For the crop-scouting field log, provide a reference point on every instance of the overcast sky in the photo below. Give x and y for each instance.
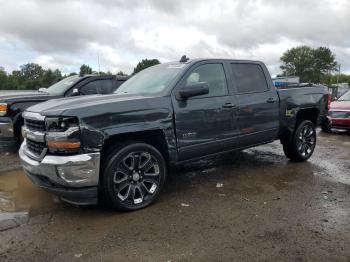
(64, 34)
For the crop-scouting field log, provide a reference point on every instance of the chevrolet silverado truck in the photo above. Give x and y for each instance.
(118, 148)
(13, 103)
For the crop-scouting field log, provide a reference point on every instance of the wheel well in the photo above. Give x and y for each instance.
(155, 138)
(17, 127)
(307, 114)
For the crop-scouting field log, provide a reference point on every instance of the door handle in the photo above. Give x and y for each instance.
(229, 105)
(271, 100)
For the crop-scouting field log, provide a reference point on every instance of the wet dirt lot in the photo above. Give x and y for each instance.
(248, 206)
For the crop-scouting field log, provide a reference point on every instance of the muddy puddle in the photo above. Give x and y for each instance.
(20, 199)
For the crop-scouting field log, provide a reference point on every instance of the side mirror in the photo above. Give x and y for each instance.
(196, 89)
(75, 92)
(43, 89)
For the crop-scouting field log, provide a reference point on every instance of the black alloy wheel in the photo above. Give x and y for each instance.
(306, 141)
(302, 145)
(134, 176)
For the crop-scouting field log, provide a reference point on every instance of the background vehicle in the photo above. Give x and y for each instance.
(12, 104)
(339, 114)
(121, 145)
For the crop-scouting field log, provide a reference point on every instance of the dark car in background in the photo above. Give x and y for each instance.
(13, 103)
(339, 114)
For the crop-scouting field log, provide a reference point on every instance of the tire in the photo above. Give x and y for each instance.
(326, 125)
(302, 145)
(133, 176)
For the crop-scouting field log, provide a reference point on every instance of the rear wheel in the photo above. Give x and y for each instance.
(303, 142)
(133, 176)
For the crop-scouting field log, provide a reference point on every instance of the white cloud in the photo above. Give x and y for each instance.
(65, 34)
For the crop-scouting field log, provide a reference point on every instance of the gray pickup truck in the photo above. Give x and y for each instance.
(119, 147)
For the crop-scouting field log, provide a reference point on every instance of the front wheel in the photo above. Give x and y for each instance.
(133, 176)
(303, 143)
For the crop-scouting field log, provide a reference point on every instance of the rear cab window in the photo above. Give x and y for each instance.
(249, 78)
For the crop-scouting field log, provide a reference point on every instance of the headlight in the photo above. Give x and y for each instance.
(60, 124)
(3, 109)
(63, 134)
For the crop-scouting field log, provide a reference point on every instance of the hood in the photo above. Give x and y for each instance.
(340, 105)
(18, 96)
(82, 105)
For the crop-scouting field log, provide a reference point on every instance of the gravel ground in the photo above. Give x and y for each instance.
(248, 206)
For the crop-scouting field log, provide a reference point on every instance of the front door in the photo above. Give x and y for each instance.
(203, 122)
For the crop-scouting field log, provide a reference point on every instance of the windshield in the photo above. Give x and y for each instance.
(345, 97)
(152, 80)
(62, 86)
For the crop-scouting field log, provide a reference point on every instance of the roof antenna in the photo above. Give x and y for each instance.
(184, 59)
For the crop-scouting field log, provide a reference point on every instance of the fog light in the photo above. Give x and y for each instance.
(75, 174)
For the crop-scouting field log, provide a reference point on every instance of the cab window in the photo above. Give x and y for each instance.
(250, 78)
(213, 75)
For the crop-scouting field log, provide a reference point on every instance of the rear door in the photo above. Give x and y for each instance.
(258, 104)
(203, 122)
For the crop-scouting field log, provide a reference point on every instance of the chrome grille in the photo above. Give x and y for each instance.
(35, 125)
(35, 147)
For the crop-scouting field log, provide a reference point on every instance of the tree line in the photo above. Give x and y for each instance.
(312, 65)
(32, 76)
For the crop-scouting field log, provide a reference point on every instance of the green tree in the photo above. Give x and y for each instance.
(310, 64)
(3, 79)
(342, 78)
(145, 63)
(29, 76)
(121, 73)
(85, 70)
(324, 63)
(50, 77)
(16, 80)
(298, 61)
(31, 71)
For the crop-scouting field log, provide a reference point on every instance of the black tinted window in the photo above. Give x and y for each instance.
(90, 88)
(249, 78)
(213, 74)
(106, 86)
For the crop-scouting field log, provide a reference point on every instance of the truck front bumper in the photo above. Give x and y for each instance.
(7, 137)
(72, 178)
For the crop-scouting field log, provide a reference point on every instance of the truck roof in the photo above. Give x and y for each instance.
(217, 59)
